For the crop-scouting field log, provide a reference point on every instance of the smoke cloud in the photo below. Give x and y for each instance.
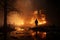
(25, 9)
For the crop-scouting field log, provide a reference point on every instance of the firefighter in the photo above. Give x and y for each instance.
(36, 22)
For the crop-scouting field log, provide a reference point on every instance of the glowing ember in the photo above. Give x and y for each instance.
(19, 29)
(35, 12)
(44, 35)
(33, 33)
(38, 32)
(43, 22)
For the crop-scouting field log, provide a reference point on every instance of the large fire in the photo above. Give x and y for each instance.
(41, 20)
(21, 24)
(16, 19)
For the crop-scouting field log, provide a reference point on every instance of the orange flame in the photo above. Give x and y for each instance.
(16, 19)
(41, 21)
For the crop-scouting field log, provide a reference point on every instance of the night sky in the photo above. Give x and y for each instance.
(51, 7)
(53, 11)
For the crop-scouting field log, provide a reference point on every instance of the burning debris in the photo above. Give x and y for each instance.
(39, 18)
(14, 18)
(22, 26)
(25, 15)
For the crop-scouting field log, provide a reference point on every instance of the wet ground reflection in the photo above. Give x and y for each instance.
(28, 35)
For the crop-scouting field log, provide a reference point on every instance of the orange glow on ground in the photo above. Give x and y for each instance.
(44, 35)
(19, 29)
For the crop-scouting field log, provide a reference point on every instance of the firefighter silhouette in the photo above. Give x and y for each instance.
(36, 22)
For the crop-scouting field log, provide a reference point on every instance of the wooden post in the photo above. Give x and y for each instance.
(5, 20)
